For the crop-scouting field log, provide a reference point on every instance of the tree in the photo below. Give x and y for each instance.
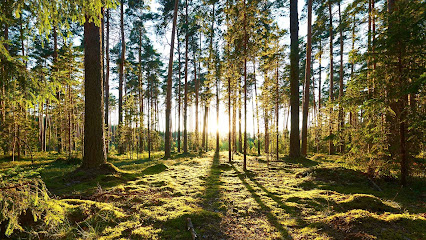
(341, 73)
(294, 81)
(307, 82)
(107, 16)
(185, 100)
(94, 142)
(169, 86)
(331, 89)
(121, 74)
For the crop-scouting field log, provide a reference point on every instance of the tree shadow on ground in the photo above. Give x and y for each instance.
(273, 220)
(305, 162)
(206, 221)
(121, 163)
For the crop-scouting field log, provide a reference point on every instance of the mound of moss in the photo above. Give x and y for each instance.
(25, 206)
(155, 169)
(367, 202)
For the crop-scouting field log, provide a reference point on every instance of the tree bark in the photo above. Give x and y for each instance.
(167, 140)
(305, 110)
(140, 92)
(179, 97)
(185, 108)
(277, 110)
(257, 110)
(121, 76)
(240, 135)
(341, 113)
(94, 144)
(245, 88)
(294, 81)
(330, 141)
(197, 140)
(107, 81)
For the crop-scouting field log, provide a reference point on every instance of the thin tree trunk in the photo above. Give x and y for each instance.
(141, 117)
(217, 113)
(107, 82)
(307, 83)
(240, 135)
(58, 94)
(205, 128)
(277, 110)
(196, 104)
(179, 97)
(185, 108)
(234, 122)
(266, 133)
(245, 88)
(121, 76)
(149, 107)
(203, 137)
(330, 141)
(167, 141)
(341, 114)
(229, 119)
(257, 110)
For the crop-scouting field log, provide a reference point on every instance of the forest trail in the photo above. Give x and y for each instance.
(289, 199)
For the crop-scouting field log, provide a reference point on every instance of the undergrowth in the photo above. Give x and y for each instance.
(316, 198)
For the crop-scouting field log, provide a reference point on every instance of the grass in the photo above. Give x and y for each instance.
(314, 198)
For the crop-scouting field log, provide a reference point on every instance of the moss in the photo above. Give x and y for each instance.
(152, 198)
(367, 202)
(155, 169)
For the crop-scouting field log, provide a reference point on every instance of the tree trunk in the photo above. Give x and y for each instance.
(185, 101)
(217, 114)
(266, 133)
(245, 89)
(107, 82)
(257, 110)
(140, 92)
(240, 137)
(196, 104)
(94, 144)
(58, 94)
(277, 110)
(319, 117)
(179, 97)
(294, 81)
(341, 113)
(307, 83)
(205, 128)
(149, 107)
(121, 76)
(234, 122)
(167, 140)
(330, 141)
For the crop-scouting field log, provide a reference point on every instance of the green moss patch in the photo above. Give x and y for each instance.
(155, 169)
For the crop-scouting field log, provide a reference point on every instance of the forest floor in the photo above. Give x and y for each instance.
(315, 198)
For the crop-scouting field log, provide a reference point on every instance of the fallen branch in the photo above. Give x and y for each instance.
(375, 185)
(191, 229)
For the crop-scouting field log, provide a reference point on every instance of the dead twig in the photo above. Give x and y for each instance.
(191, 229)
